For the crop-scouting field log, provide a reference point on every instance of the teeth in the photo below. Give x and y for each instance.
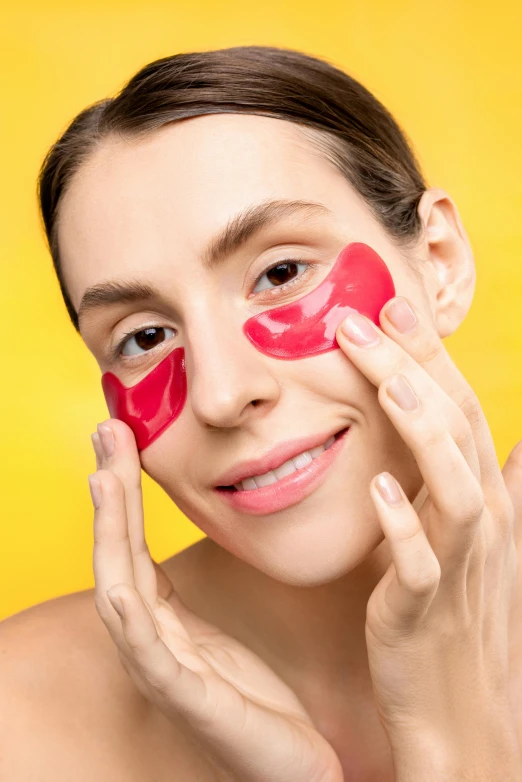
(286, 469)
(265, 480)
(297, 463)
(302, 460)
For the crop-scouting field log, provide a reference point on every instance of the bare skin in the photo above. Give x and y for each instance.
(59, 662)
(314, 641)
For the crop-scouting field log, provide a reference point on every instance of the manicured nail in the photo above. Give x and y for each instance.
(95, 489)
(402, 393)
(360, 330)
(388, 488)
(95, 440)
(401, 315)
(117, 603)
(107, 439)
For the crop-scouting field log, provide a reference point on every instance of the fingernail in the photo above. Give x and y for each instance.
(95, 489)
(95, 440)
(359, 330)
(401, 315)
(117, 603)
(107, 439)
(388, 488)
(402, 393)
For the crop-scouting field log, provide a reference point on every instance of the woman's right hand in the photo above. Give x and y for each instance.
(251, 724)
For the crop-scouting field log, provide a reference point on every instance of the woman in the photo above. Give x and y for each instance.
(352, 612)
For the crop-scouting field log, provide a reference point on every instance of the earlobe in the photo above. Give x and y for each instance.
(449, 254)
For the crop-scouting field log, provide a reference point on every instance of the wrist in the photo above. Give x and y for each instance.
(489, 752)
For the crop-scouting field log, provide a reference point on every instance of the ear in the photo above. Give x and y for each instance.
(449, 256)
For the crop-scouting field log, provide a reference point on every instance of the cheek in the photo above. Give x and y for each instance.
(359, 280)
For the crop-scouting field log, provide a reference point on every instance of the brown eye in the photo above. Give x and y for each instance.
(145, 340)
(279, 275)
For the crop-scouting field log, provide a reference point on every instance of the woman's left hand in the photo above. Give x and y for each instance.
(437, 623)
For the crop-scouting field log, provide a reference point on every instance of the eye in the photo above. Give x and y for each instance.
(134, 342)
(281, 274)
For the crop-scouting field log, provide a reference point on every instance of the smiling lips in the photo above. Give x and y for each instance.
(273, 460)
(359, 280)
(290, 489)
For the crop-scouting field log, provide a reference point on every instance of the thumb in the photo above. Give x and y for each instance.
(512, 474)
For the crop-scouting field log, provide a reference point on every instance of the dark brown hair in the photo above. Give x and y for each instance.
(356, 131)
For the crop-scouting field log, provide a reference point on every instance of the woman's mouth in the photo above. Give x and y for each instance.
(287, 484)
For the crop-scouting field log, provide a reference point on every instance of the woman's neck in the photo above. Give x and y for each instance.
(310, 636)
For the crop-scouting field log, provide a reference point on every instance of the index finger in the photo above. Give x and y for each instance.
(125, 464)
(111, 556)
(421, 340)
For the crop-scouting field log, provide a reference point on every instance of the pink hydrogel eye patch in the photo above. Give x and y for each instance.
(359, 280)
(151, 405)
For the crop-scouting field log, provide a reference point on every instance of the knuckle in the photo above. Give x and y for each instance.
(424, 579)
(398, 364)
(112, 485)
(472, 507)
(462, 433)
(433, 436)
(135, 644)
(468, 402)
(431, 349)
(135, 484)
(426, 583)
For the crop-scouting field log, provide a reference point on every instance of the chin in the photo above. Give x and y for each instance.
(309, 544)
(318, 545)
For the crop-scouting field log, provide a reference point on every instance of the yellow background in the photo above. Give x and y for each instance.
(451, 74)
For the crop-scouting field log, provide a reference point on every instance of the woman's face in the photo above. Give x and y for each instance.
(149, 211)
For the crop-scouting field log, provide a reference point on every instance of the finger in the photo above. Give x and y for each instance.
(172, 682)
(454, 491)
(112, 559)
(512, 475)
(415, 332)
(125, 463)
(95, 439)
(384, 358)
(214, 706)
(409, 594)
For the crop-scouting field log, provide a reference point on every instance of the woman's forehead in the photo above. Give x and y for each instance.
(134, 201)
(234, 156)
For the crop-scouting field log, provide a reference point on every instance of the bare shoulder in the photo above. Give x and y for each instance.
(70, 711)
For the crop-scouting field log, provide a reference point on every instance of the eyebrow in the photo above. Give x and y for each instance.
(239, 229)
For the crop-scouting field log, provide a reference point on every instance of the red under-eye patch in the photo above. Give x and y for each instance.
(359, 280)
(153, 403)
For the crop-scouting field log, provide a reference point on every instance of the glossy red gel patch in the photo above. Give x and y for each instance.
(152, 404)
(359, 280)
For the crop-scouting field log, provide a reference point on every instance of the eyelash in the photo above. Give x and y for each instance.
(119, 346)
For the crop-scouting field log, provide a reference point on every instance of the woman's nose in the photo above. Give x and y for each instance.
(227, 377)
